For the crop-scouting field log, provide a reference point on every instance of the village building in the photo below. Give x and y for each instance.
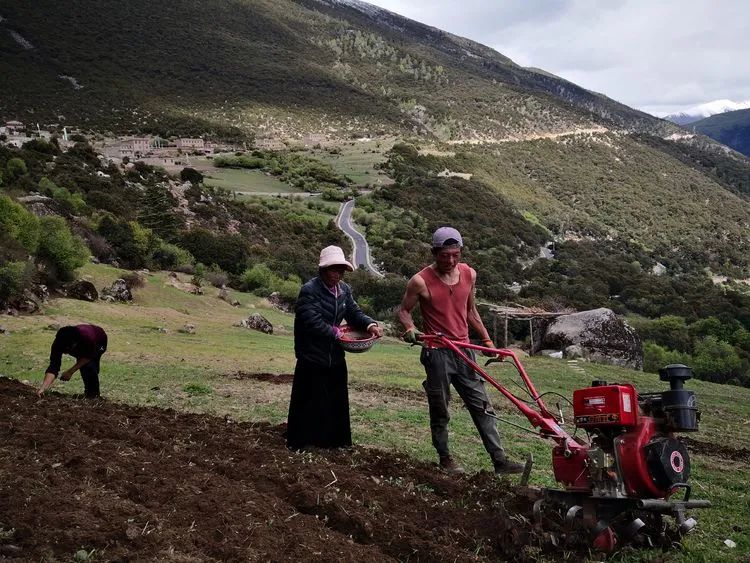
(269, 144)
(312, 139)
(14, 127)
(135, 147)
(168, 162)
(187, 144)
(17, 140)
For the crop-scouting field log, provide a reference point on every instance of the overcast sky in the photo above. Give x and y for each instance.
(656, 55)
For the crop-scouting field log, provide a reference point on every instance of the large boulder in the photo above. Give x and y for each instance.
(118, 291)
(256, 321)
(81, 289)
(598, 335)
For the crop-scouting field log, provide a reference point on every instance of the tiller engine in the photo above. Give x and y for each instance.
(622, 480)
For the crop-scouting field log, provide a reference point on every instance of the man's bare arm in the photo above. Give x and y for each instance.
(473, 317)
(414, 289)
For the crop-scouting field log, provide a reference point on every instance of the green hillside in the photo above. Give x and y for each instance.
(731, 129)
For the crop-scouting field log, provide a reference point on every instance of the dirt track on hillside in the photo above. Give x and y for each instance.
(136, 483)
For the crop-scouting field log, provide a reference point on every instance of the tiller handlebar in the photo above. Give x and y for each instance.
(541, 418)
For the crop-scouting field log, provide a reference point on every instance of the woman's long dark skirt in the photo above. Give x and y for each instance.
(319, 407)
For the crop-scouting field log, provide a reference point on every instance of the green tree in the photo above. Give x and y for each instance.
(157, 213)
(656, 357)
(713, 326)
(229, 252)
(130, 241)
(741, 339)
(191, 175)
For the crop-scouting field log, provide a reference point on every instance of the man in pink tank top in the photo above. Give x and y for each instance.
(444, 291)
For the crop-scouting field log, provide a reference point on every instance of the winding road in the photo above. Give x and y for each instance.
(361, 254)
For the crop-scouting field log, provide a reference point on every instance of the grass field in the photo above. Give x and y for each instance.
(357, 160)
(240, 180)
(193, 372)
(246, 181)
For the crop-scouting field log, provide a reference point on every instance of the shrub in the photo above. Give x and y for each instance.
(19, 224)
(288, 289)
(72, 203)
(133, 280)
(167, 256)
(198, 275)
(712, 326)
(262, 281)
(216, 276)
(131, 241)
(656, 357)
(669, 331)
(14, 278)
(16, 168)
(99, 247)
(59, 250)
(741, 339)
(716, 361)
(259, 276)
(42, 146)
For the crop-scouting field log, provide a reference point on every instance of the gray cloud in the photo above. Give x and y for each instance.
(659, 56)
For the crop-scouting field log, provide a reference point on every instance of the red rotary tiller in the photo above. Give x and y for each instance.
(620, 483)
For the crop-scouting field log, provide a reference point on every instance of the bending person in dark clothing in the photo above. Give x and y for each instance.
(319, 406)
(87, 344)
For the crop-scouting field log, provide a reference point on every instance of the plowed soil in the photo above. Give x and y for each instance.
(135, 483)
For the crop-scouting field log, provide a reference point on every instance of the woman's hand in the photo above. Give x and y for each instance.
(375, 330)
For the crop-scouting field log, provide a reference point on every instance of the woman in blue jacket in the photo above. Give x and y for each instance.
(319, 406)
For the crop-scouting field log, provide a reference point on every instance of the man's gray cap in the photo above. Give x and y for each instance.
(446, 236)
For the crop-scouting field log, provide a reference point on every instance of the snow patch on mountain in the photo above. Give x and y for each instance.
(705, 110)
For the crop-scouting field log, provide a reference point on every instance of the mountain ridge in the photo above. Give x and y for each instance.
(702, 111)
(731, 128)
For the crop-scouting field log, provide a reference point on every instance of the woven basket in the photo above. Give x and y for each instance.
(356, 341)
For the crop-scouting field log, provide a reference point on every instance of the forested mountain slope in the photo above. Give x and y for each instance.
(248, 64)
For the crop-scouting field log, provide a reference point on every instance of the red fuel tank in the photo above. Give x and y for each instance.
(605, 405)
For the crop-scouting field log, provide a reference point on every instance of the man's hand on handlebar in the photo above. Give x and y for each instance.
(487, 343)
(412, 336)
